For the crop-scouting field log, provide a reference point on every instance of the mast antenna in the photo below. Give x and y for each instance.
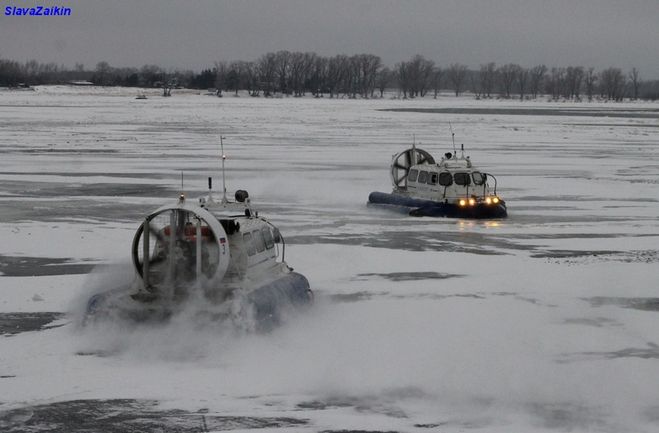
(224, 185)
(413, 158)
(452, 137)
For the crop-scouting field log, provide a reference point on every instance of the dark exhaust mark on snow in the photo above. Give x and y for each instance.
(441, 297)
(630, 113)
(598, 322)
(615, 125)
(128, 416)
(649, 352)
(461, 242)
(644, 304)
(330, 403)
(355, 297)
(52, 150)
(564, 254)
(385, 403)
(359, 431)
(19, 266)
(576, 257)
(407, 276)
(367, 296)
(67, 209)
(526, 299)
(16, 323)
(75, 189)
(568, 417)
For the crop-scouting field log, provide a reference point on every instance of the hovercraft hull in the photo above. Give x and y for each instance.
(422, 207)
(268, 302)
(273, 299)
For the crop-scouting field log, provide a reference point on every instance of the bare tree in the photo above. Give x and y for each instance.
(383, 79)
(487, 78)
(590, 80)
(523, 75)
(221, 71)
(402, 77)
(476, 85)
(151, 75)
(10, 73)
(537, 76)
(266, 70)
(318, 76)
(283, 70)
(555, 83)
(351, 79)
(612, 83)
(102, 75)
(635, 81)
(573, 79)
(337, 69)
(437, 75)
(367, 69)
(507, 75)
(456, 74)
(247, 77)
(419, 75)
(298, 69)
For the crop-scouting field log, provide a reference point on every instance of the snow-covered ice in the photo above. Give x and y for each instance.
(545, 321)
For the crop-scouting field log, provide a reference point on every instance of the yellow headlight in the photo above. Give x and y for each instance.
(495, 199)
(472, 202)
(488, 200)
(462, 202)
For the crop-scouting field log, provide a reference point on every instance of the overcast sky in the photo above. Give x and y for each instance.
(195, 33)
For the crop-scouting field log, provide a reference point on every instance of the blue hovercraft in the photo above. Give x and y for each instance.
(451, 188)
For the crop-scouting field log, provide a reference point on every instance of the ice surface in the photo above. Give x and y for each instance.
(544, 321)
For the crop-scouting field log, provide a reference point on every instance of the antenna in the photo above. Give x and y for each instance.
(210, 190)
(224, 185)
(413, 158)
(452, 137)
(181, 196)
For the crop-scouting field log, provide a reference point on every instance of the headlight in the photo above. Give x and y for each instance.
(462, 202)
(488, 200)
(472, 202)
(495, 200)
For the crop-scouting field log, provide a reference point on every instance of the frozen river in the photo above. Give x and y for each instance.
(545, 321)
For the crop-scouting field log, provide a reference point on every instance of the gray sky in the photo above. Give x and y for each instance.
(195, 33)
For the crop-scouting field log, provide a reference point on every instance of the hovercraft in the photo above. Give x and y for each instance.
(451, 188)
(220, 257)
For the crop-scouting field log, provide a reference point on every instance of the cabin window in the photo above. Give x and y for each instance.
(267, 236)
(462, 179)
(259, 242)
(479, 178)
(413, 175)
(423, 175)
(249, 245)
(432, 179)
(445, 178)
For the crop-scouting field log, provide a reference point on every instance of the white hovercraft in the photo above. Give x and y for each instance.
(220, 254)
(453, 187)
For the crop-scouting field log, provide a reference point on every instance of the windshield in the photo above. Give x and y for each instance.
(462, 178)
(445, 178)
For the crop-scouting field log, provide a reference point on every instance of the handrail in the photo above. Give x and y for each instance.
(495, 182)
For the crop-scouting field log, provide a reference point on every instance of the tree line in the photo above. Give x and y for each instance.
(356, 76)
